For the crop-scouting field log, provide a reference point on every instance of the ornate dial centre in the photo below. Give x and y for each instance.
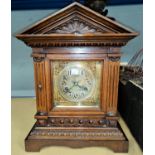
(76, 83)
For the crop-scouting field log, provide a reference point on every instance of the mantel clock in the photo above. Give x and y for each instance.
(76, 53)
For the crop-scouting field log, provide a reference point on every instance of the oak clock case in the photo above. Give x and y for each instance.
(76, 55)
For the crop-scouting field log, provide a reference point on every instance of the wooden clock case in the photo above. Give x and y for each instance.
(76, 33)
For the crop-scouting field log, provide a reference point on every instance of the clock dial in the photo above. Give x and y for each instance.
(76, 83)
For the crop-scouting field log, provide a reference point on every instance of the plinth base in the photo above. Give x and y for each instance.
(112, 138)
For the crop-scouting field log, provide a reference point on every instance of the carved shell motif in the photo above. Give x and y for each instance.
(75, 27)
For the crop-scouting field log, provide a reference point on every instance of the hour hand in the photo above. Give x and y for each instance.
(74, 84)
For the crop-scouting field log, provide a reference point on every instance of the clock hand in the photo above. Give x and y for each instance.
(74, 84)
(71, 87)
(67, 90)
(83, 87)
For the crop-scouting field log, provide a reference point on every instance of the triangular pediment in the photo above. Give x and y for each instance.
(76, 25)
(76, 18)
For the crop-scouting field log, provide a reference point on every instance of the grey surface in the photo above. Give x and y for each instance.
(22, 78)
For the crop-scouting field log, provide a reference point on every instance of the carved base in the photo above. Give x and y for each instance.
(40, 137)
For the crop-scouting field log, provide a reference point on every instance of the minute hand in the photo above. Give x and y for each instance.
(74, 84)
(83, 87)
(71, 87)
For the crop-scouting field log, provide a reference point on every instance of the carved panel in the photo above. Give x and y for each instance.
(114, 58)
(63, 43)
(38, 59)
(76, 26)
(77, 122)
(86, 133)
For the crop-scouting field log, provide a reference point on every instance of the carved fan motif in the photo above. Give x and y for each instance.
(75, 27)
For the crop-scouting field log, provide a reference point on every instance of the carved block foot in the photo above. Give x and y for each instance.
(37, 144)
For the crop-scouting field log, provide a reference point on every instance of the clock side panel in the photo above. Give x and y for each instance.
(40, 83)
(111, 80)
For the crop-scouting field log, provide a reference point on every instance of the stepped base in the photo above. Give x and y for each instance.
(112, 138)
